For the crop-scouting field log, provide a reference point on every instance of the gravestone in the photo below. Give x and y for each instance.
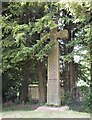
(53, 83)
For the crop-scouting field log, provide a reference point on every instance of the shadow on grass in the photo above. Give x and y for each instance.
(75, 106)
(79, 107)
(20, 107)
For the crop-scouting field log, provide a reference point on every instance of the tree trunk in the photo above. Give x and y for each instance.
(42, 81)
(67, 80)
(72, 80)
(71, 68)
(24, 88)
(90, 76)
(76, 79)
(91, 63)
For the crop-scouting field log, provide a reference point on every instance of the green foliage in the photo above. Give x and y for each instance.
(66, 99)
(87, 100)
(22, 26)
(51, 105)
(19, 39)
(81, 22)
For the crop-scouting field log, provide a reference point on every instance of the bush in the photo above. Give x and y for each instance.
(67, 98)
(87, 106)
(83, 105)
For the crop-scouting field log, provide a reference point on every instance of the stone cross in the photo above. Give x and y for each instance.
(53, 83)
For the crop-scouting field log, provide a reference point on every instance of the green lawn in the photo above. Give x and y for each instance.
(28, 113)
(44, 114)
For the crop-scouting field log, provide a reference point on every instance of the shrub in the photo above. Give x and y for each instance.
(87, 106)
(67, 98)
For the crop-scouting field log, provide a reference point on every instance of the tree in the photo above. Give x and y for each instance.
(21, 38)
(24, 47)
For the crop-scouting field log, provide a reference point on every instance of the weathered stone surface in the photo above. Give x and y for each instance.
(63, 34)
(53, 84)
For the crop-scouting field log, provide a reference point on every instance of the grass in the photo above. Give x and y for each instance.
(29, 112)
(44, 114)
